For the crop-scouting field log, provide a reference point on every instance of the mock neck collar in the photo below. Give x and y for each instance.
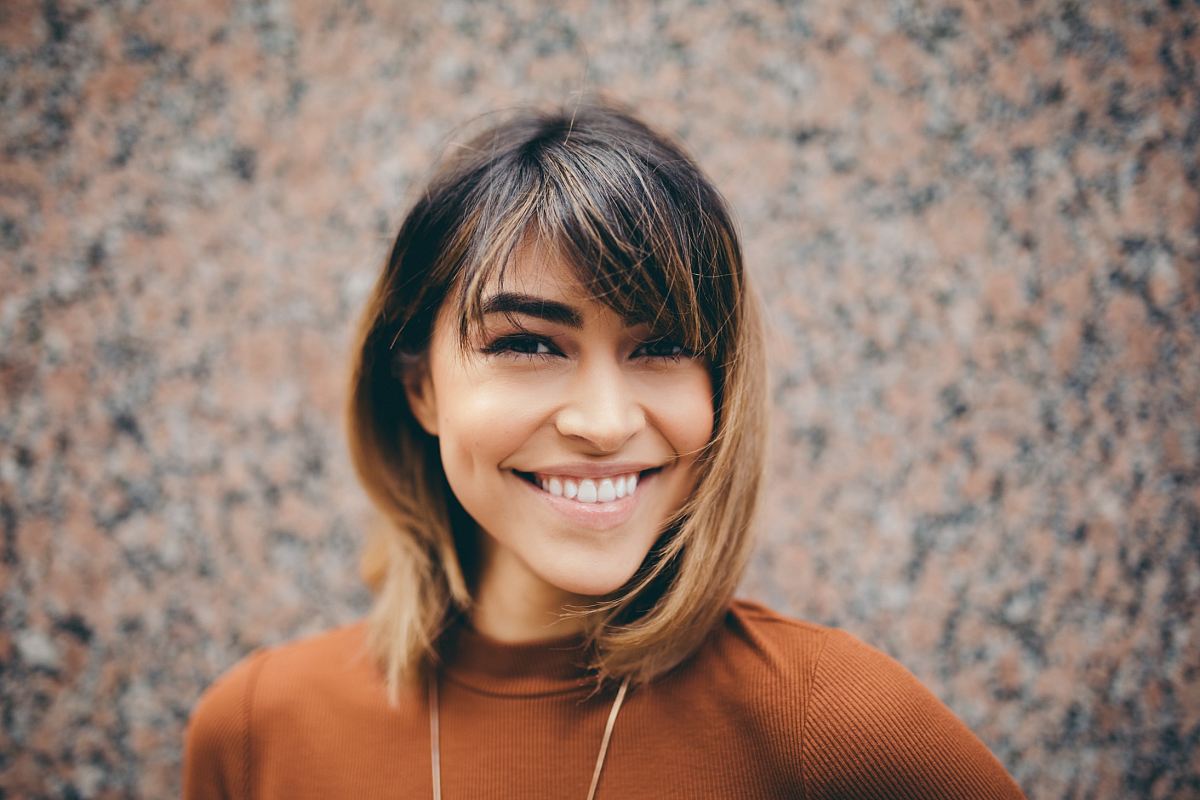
(551, 665)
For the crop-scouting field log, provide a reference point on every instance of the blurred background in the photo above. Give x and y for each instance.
(976, 226)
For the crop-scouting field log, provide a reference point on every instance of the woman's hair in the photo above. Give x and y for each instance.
(648, 236)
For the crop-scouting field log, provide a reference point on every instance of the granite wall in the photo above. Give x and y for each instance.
(976, 225)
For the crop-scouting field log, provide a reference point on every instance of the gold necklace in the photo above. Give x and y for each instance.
(434, 737)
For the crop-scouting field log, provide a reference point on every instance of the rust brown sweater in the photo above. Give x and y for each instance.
(770, 707)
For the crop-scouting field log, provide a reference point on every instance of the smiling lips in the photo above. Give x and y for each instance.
(594, 514)
(589, 491)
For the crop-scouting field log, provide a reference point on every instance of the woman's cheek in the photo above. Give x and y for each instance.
(494, 421)
(683, 408)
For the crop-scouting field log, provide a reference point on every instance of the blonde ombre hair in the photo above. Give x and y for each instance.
(649, 236)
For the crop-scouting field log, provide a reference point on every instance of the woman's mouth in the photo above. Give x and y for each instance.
(587, 491)
(595, 503)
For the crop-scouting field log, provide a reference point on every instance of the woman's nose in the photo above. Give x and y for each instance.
(602, 409)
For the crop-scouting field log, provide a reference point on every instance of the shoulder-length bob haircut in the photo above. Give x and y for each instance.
(648, 235)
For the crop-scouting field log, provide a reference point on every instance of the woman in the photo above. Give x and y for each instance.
(558, 403)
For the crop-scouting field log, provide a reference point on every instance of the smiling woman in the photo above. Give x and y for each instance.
(559, 390)
(558, 403)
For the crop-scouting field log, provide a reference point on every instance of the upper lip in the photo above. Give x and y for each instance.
(585, 469)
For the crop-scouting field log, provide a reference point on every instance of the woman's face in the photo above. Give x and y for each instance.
(541, 428)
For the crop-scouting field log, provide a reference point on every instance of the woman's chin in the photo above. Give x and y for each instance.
(588, 583)
(588, 588)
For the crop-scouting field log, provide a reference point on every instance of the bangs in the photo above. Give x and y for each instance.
(638, 234)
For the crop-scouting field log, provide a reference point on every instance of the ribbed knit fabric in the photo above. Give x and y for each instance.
(769, 707)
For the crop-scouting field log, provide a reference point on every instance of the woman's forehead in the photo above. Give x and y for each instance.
(536, 269)
(538, 281)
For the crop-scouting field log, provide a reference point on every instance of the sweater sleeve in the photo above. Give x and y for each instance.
(872, 730)
(216, 752)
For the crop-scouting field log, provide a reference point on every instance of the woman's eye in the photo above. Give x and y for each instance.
(531, 346)
(665, 348)
(519, 344)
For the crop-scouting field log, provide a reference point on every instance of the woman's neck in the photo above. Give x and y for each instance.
(512, 604)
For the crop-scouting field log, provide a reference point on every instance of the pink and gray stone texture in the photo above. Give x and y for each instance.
(976, 227)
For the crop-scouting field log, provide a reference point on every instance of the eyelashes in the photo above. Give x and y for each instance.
(519, 344)
(532, 346)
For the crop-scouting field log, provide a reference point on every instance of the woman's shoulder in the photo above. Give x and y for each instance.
(858, 717)
(795, 648)
(309, 661)
(776, 643)
(827, 674)
(777, 664)
(264, 685)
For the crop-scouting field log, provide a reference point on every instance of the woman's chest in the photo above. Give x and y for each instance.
(662, 746)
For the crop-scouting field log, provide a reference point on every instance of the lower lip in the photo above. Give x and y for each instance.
(598, 516)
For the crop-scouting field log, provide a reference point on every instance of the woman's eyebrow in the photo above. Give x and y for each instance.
(540, 307)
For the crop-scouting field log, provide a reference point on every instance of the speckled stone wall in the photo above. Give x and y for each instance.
(977, 227)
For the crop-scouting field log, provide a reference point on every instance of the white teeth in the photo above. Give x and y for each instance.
(587, 491)
(590, 490)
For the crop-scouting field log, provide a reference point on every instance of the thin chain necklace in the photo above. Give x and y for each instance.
(434, 737)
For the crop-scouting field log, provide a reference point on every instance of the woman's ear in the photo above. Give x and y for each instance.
(418, 389)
